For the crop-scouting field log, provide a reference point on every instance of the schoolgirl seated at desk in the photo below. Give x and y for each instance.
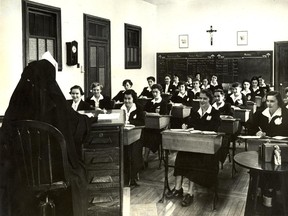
(147, 91)
(237, 98)
(134, 115)
(187, 164)
(98, 101)
(246, 89)
(152, 137)
(255, 89)
(214, 84)
(272, 121)
(168, 87)
(77, 103)
(196, 89)
(127, 84)
(189, 82)
(182, 96)
(205, 83)
(220, 103)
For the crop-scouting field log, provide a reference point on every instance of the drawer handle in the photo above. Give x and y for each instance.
(101, 134)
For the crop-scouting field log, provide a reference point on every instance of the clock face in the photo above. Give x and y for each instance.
(74, 49)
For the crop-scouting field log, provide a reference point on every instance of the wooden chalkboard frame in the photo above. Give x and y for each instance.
(229, 66)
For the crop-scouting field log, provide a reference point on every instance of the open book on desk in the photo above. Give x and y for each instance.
(109, 116)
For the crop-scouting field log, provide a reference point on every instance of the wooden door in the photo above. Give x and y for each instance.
(97, 53)
(281, 66)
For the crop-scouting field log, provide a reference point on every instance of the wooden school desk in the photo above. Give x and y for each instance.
(102, 154)
(251, 161)
(230, 126)
(207, 142)
(133, 150)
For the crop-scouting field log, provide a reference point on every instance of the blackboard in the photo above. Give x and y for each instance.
(228, 66)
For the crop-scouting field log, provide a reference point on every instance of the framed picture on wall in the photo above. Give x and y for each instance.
(184, 41)
(242, 38)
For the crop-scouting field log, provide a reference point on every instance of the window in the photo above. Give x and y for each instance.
(133, 51)
(41, 32)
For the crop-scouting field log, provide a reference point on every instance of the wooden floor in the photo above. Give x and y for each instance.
(232, 193)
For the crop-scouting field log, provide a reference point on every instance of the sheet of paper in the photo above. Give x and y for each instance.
(108, 116)
(280, 137)
(249, 137)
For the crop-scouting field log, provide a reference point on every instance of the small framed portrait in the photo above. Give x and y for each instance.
(184, 41)
(242, 38)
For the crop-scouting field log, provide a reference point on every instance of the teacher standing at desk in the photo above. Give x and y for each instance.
(187, 164)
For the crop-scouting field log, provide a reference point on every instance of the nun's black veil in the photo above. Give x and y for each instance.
(38, 97)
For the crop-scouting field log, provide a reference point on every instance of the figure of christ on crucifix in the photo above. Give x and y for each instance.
(211, 34)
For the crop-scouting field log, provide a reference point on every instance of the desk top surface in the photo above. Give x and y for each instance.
(116, 118)
(250, 160)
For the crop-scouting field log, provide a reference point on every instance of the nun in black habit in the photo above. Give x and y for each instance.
(38, 97)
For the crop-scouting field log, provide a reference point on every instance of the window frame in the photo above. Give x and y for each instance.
(128, 28)
(28, 5)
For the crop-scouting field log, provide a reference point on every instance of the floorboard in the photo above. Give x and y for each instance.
(232, 192)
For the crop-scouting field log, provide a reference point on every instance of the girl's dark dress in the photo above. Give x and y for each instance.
(214, 87)
(82, 105)
(152, 137)
(225, 109)
(185, 100)
(278, 126)
(134, 150)
(120, 96)
(190, 164)
(146, 93)
(255, 93)
(105, 103)
(236, 103)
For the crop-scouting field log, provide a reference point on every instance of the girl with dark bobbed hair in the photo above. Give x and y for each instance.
(77, 103)
(272, 121)
(127, 84)
(187, 164)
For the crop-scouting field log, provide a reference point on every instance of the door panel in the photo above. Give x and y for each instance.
(97, 53)
(281, 66)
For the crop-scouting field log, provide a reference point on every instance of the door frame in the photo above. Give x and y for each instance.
(277, 58)
(87, 39)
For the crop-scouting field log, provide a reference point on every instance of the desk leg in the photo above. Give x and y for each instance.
(233, 154)
(166, 183)
(251, 200)
(283, 183)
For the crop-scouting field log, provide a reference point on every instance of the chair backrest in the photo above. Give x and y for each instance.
(40, 154)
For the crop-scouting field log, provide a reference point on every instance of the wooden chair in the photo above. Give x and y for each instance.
(41, 157)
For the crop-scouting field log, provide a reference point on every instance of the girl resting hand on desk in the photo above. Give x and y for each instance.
(133, 112)
(272, 121)
(187, 163)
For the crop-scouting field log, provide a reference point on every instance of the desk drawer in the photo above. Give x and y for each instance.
(102, 139)
(103, 178)
(101, 156)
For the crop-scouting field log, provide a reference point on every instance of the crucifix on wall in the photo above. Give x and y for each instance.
(211, 30)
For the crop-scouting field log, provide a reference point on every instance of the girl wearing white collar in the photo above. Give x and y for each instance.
(196, 88)
(133, 115)
(255, 90)
(237, 98)
(272, 121)
(246, 89)
(152, 137)
(205, 84)
(220, 104)
(182, 96)
(147, 91)
(214, 84)
(98, 101)
(206, 119)
(133, 112)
